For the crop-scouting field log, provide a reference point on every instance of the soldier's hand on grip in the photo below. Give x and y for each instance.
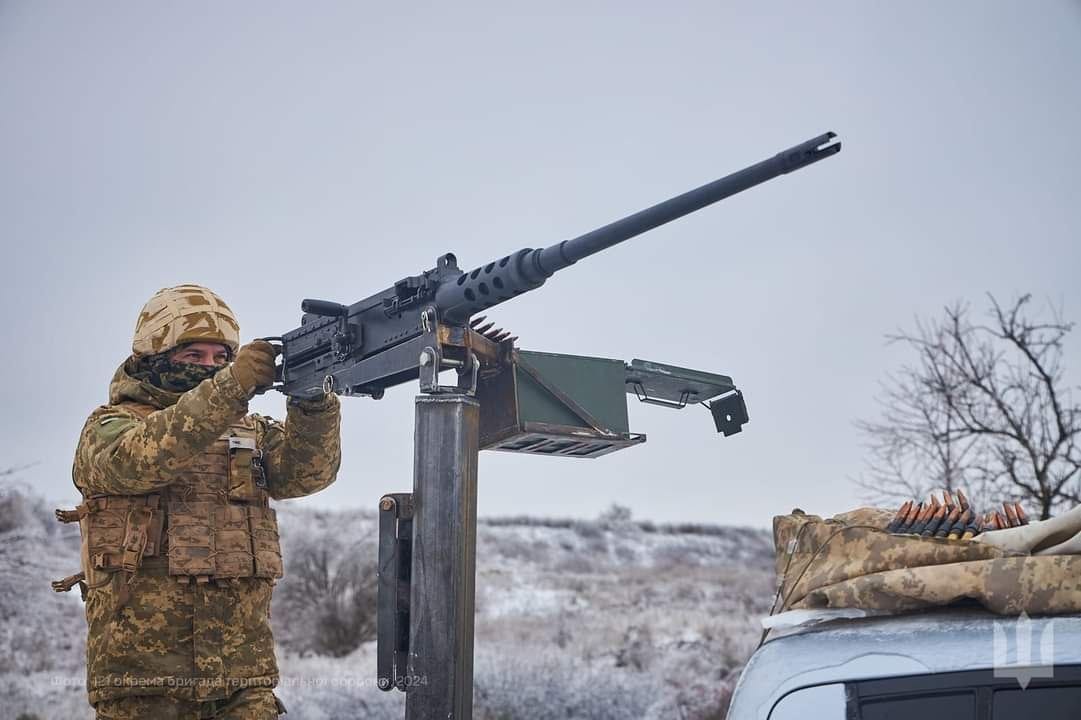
(254, 366)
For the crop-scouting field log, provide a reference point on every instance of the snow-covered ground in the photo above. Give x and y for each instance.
(575, 619)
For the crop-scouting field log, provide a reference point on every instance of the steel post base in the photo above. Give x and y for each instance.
(440, 665)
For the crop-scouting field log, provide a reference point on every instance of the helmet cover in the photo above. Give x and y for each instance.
(184, 314)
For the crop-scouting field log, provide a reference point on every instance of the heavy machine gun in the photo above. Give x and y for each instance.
(421, 324)
(505, 399)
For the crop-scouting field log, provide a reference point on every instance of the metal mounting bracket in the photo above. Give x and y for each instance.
(640, 393)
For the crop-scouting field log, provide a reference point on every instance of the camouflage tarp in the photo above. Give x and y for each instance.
(1060, 535)
(851, 561)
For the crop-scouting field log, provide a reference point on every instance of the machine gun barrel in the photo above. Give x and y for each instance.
(527, 269)
(385, 339)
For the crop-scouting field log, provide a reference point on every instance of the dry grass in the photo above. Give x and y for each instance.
(601, 620)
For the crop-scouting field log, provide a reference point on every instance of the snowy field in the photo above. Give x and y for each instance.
(575, 619)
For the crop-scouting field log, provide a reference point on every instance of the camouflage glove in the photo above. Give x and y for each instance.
(254, 366)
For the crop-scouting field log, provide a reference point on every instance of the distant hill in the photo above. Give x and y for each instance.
(575, 619)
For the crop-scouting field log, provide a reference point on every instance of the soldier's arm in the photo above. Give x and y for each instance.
(301, 456)
(121, 453)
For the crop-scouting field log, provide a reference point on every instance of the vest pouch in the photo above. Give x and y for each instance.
(245, 469)
(154, 527)
(105, 533)
(136, 535)
(232, 542)
(102, 532)
(191, 538)
(268, 552)
(117, 532)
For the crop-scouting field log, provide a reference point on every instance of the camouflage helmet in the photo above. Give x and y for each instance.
(184, 314)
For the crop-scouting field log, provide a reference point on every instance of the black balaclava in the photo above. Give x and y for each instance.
(177, 377)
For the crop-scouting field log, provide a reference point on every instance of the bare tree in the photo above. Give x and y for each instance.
(985, 408)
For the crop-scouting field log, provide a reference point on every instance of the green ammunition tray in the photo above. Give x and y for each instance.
(558, 405)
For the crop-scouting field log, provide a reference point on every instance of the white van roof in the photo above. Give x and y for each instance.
(944, 640)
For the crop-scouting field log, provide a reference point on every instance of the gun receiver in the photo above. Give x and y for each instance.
(420, 324)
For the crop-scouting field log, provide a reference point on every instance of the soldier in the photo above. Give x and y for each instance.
(179, 543)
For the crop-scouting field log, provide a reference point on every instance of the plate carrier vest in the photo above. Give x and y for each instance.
(213, 522)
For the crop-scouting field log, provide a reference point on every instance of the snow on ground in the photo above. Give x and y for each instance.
(575, 619)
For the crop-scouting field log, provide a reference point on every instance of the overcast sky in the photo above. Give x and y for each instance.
(277, 151)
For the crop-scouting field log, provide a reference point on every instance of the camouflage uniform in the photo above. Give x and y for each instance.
(180, 546)
(851, 561)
